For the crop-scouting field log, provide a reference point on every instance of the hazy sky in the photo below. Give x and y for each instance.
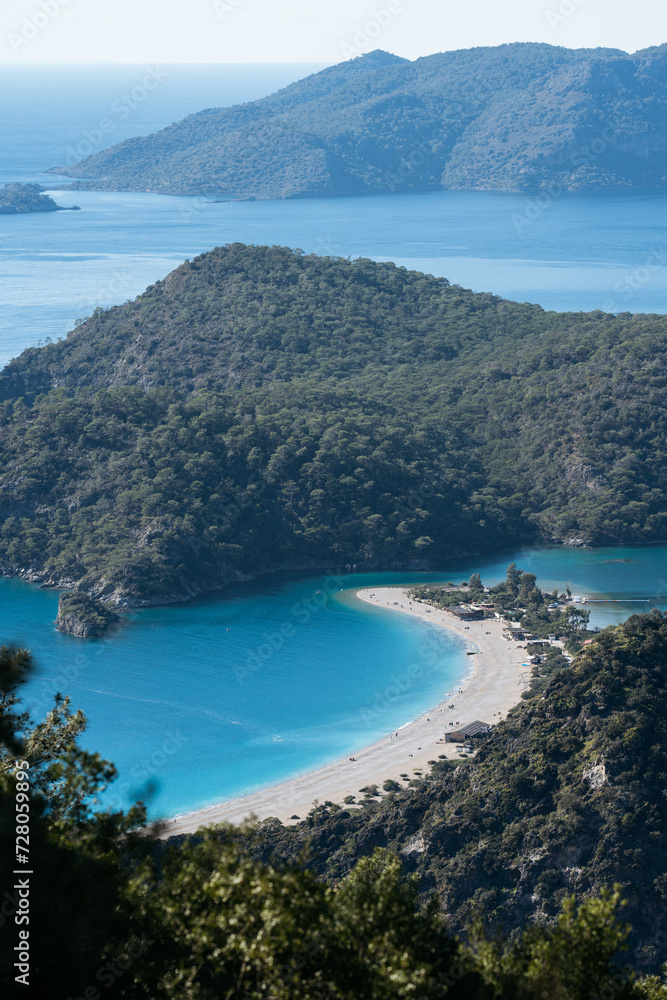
(165, 31)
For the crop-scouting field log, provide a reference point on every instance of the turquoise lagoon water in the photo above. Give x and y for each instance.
(262, 681)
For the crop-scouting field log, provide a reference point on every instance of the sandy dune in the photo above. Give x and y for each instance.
(491, 684)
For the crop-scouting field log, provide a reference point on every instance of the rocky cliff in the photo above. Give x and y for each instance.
(79, 614)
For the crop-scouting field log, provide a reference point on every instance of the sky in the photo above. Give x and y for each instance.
(212, 31)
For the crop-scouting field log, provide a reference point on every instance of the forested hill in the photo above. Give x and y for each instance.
(566, 796)
(262, 409)
(20, 199)
(511, 118)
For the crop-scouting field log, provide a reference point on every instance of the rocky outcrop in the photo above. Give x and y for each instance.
(79, 614)
(578, 542)
(595, 777)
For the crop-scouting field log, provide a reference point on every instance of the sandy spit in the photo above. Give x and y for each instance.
(491, 684)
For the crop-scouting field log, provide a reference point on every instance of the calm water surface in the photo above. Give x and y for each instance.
(578, 252)
(260, 682)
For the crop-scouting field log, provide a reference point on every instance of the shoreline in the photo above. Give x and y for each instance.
(493, 686)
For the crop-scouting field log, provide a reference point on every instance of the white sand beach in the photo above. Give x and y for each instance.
(491, 684)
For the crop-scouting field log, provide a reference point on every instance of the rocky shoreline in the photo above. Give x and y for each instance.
(84, 616)
(111, 596)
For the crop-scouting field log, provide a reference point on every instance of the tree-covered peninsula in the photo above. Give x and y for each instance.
(511, 118)
(263, 409)
(20, 199)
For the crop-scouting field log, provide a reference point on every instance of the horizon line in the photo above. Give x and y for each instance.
(310, 62)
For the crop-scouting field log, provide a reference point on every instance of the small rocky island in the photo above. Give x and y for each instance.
(79, 614)
(19, 199)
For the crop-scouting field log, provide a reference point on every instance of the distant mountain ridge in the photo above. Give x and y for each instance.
(511, 118)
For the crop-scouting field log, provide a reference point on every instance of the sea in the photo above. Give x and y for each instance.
(568, 252)
(200, 702)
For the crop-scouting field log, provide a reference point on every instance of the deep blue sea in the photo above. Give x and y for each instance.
(262, 681)
(576, 252)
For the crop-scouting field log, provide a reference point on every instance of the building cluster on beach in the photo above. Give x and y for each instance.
(512, 631)
(466, 613)
(475, 730)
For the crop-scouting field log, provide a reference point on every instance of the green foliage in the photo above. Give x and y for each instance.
(18, 199)
(362, 415)
(391, 786)
(82, 614)
(69, 780)
(205, 918)
(651, 988)
(225, 925)
(565, 796)
(440, 597)
(79, 906)
(519, 599)
(481, 119)
(552, 661)
(572, 959)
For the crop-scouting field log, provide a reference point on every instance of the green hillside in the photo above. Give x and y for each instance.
(261, 409)
(566, 796)
(511, 118)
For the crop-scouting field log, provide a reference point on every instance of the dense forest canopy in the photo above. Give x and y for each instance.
(511, 118)
(263, 409)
